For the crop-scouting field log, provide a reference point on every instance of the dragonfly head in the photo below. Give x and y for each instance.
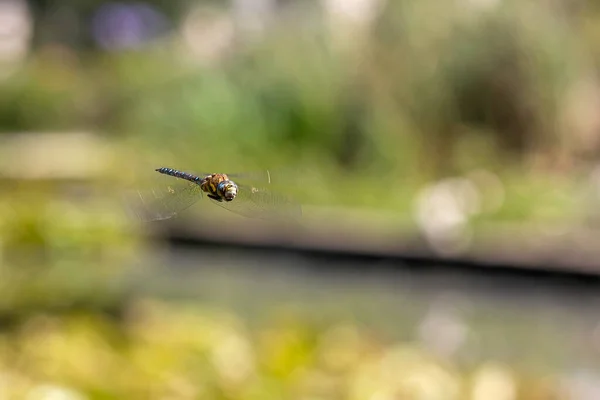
(227, 190)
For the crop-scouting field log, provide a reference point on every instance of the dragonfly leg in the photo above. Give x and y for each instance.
(215, 198)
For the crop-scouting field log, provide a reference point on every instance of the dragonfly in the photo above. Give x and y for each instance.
(224, 190)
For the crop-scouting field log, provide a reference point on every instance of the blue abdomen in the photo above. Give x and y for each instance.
(178, 174)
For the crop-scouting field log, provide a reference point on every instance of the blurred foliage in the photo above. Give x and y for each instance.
(61, 254)
(183, 352)
(430, 91)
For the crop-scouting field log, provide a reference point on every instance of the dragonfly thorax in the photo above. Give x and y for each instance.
(219, 187)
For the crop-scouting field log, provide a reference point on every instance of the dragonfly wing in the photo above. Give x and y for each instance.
(264, 177)
(261, 203)
(166, 201)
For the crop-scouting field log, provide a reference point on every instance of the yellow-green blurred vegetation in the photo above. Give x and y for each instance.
(366, 116)
(197, 353)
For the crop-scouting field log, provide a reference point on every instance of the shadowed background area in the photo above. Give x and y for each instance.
(445, 154)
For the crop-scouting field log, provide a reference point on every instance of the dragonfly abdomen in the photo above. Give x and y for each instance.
(179, 174)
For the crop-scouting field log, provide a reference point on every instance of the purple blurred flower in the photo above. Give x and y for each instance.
(118, 26)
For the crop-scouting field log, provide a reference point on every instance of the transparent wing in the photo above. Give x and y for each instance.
(261, 203)
(264, 177)
(165, 201)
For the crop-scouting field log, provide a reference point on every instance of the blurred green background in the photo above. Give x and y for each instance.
(436, 118)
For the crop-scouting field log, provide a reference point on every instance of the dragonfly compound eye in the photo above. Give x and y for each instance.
(228, 190)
